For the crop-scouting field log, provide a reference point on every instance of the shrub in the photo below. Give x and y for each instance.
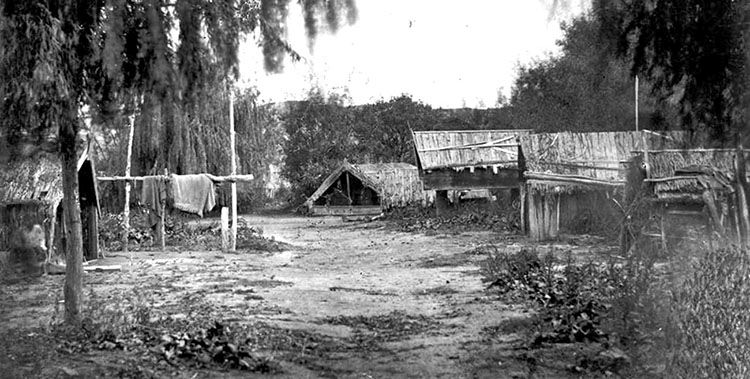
(711, 308)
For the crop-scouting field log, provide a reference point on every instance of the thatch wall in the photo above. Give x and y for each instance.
(602, 156)
(396, 184)
(31, 191)
(571, 177)
(467, 148)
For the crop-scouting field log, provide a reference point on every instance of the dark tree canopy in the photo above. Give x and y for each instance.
(63, 61)
(322, 132)
(694, 52)
(114, 55)
(586, 88)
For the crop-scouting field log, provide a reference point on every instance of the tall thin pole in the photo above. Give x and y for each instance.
(126, 210)
(234, 169)
(636, 103)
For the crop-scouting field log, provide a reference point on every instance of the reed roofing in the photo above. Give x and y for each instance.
(395, 183)
(602, 156)
(467, 148)
(37, 180)
(34, 180)
(688, 173)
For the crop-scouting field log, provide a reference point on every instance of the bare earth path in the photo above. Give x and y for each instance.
(376, 272)
(367, 302)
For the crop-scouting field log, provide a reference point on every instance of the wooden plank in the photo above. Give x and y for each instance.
(344, 210)
(233, 165)
(224, 229)
(462, 180)
(535, 227)
(710, 200)
(469, 147)
(215, 178)
(102, 268)
(573, 179)
(93, 232)
(574, 165)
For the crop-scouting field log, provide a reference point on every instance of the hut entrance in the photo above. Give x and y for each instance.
(348, 190)
(367, 189)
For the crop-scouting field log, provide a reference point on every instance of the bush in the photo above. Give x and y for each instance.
(180, 234)
(712, 311)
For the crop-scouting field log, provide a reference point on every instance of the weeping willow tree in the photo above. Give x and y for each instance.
(60, 60)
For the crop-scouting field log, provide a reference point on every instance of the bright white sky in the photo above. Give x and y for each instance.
(445, 53)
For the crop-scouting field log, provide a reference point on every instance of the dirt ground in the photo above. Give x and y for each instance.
(349, 300)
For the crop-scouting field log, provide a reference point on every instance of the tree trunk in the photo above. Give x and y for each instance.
(74, 239)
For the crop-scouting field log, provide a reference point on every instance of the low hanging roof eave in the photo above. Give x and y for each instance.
(330, 179)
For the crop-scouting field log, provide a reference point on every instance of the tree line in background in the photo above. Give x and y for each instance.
(62, 63)
(690, 57)
(65, 62)
(322, 132)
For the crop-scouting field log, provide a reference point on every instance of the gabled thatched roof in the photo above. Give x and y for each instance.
(36, 179)
(686, 174)
(599, 156)
(395, 183)
(467, 148)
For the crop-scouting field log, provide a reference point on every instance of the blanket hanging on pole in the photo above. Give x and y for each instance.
(153, 194)
(193, 193)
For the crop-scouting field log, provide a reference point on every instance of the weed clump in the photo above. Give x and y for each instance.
(711, 310)
(674, 316)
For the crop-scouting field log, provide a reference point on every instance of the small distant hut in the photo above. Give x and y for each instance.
(31, 192)
(468, 160)
(574, 181)
(367, 189)
(693, 188)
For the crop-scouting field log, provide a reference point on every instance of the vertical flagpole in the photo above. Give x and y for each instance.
(636, 103)
(234, 169)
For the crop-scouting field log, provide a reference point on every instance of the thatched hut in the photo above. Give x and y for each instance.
(367, 189)
(461, 160)
(574, 181)
(468, 159)
(31, 192)
(693, 188)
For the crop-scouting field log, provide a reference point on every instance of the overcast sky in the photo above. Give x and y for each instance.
(442, 54)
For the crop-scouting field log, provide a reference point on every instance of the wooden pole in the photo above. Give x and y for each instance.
(557, 215)
(348, 189)
(742, 197)
(523, 208)
(636, 103)
(646, 163)
(224, 229)
(162, 232)
(234, 170)
(663, 229)
(126, 210)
